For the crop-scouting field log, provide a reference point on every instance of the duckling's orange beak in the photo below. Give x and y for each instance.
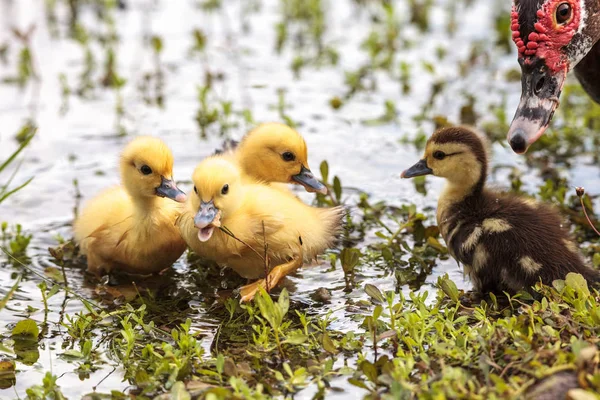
(418, 169)
(308, 180)
(168, 189)
(207, 219)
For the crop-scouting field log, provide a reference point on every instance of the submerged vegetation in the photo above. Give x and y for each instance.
(375, 318)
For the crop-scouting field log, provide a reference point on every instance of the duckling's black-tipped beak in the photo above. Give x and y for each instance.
(418, 169)
(540, 94)
(168, 189)
(308, 180)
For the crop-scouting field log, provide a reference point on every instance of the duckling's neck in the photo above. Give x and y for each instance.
(144, 205)
(456, 191)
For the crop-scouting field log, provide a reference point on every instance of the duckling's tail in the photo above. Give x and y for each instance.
(326, 233)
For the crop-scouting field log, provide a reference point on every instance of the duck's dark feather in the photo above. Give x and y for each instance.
(507, 243)
(588, 73)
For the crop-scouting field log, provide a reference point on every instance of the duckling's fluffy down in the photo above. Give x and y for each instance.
(509, 243)
(128, 227)
(116, 236)
(291, 229)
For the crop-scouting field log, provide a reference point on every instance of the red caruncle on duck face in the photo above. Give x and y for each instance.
(557, 22)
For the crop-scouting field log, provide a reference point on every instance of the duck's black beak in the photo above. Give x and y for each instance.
(418, 169)
(540, 94)
(308, 180)
(168, 189)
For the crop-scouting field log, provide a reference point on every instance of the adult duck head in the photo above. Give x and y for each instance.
(552, 37)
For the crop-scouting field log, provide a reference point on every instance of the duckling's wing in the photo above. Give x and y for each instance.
(100, 247)
(266, 225)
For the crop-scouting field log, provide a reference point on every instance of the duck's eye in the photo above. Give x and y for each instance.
(146, 170)
(439, 155)
(225, 189)
(288, 156)
(563, 13)
(195, 190)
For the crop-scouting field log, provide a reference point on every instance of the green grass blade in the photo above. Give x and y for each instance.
(5, 195)
(17, 152)
(10, 293)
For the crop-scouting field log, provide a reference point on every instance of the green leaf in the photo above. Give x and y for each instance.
(369, 370)
(179, 392)
(53, 290)
(324, 171)
(7, 372)
(284, 301)
(448, 287)
(26, 349)
(55, 274)
(357, 383)
(157, 44)
(27, 328)
(288, 369)
(377, 312)
(374, 293)
(433, 242)
(268, 309)
(72, 354)
(596, 260)
(578, 283)
(296, 338)
(328, 345)
(220, 363)
(559, 285)
(337, 188)
(349, 258)
(6, 365)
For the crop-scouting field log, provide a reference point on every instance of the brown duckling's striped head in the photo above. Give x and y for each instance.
(457, 154)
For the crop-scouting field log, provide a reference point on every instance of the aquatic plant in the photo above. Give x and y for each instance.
(6, 190)
(372, 318)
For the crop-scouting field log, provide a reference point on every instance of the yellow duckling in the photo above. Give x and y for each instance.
(131, 228)
(274, 152)
(257, 215)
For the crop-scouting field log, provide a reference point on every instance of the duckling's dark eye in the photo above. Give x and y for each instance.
(195, 190)
(288, 156)
(225, 189)
(146, 170)
(563, 13)
(439, 155)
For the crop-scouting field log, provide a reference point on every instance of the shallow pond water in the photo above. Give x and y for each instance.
(82, 144)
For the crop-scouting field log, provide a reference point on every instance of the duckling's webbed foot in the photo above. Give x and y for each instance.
(247, 292)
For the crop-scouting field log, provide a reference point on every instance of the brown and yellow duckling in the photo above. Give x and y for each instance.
(274, 153)
(257, 215)
(505, 242)
(131, 228)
